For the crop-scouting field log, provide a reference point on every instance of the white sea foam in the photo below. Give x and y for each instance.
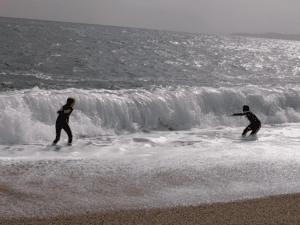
(144, 170)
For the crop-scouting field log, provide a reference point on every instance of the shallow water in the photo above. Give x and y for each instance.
(144, 170)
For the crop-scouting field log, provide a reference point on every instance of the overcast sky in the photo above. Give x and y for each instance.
(203, 16)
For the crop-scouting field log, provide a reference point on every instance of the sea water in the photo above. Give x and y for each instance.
(151, 123)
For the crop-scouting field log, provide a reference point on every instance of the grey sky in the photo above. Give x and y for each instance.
(204, 16)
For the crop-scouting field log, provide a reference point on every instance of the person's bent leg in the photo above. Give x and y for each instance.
(246, 130)
(66, 127)
(255, 130)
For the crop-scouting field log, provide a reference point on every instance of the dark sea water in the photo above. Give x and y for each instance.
(56, 55)
(151, 123)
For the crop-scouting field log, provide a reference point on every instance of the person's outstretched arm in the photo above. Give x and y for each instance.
(238, 114)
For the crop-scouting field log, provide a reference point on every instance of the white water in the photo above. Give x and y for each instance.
(155, 169)
(28, 116)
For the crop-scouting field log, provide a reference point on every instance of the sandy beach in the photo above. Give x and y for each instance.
(281, 209)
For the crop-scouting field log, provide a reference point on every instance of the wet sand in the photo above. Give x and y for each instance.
(283, 209)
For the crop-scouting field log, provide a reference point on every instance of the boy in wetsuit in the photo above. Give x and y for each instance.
(254, 122)
(62, 121)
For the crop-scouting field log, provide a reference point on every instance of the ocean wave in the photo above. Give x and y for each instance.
(29, 115)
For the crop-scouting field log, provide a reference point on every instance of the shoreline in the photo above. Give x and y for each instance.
(273, 209)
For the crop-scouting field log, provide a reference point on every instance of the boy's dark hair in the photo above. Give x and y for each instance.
(70, 101)
(245, 108)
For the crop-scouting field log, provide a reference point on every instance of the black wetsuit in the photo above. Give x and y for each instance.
(62, 122)
(254, 122)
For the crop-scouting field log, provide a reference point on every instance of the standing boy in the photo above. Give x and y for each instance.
(62, 121)
(254, 122)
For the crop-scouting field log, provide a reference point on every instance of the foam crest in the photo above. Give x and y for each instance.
(29, 115)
